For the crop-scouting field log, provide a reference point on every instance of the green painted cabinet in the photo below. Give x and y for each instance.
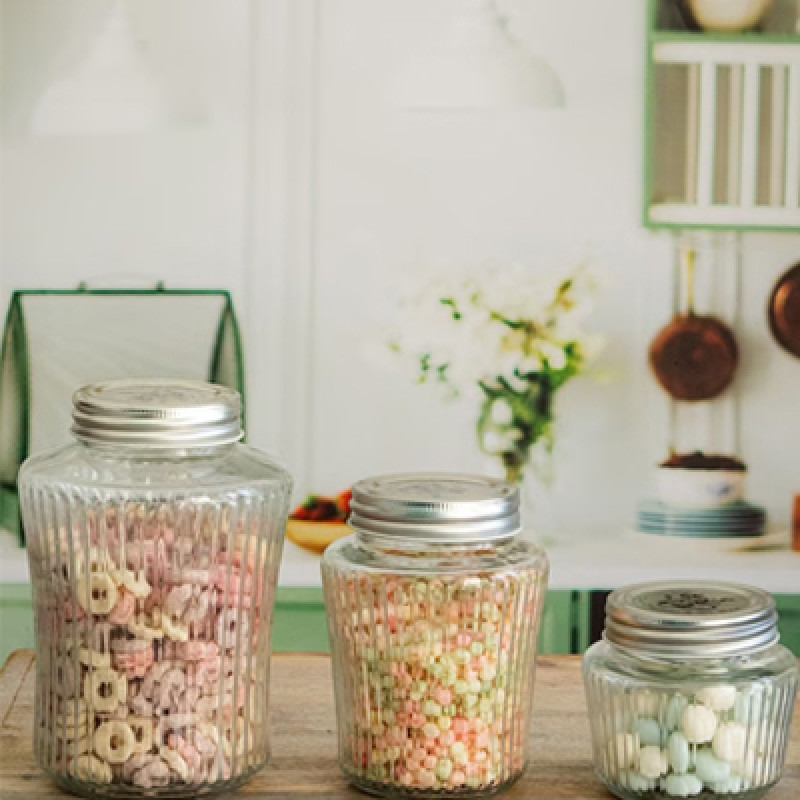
(299, 624)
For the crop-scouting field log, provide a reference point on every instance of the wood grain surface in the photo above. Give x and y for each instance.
(303, 762)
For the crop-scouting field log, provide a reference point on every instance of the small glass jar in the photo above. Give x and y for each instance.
(433, 613)
(689, 692)
(154, 542)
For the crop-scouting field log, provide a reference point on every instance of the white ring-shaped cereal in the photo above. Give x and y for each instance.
(174, 630)
(90, 658)
(175, 761)
(138, 627)
(91, 769)
(114, 741)
(97, 592)
(101, 689)
(137, 586)
(142, 728)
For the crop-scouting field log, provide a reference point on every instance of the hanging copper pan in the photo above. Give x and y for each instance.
(695, 357)
(784, 311)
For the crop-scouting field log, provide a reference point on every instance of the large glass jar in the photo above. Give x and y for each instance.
(433, 613)
(154, 542)
(690, 693)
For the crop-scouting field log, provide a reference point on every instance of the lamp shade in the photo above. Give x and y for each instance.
(112, 91)
(478, 65)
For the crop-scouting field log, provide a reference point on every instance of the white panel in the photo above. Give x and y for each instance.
(708, 113)
(282, 226)
(777, 132)
(692, 132)
(750, 134)
(735, 134)
(793, 139)
(682, 214)
(724, 53)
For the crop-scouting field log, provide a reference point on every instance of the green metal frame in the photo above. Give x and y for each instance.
(14, 357)
(653, 36)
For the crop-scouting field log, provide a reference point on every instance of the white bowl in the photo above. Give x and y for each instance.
(729, 16)
(700, 488)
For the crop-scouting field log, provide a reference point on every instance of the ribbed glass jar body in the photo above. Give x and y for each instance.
(433, 662)
(679, 727)
(153, 581)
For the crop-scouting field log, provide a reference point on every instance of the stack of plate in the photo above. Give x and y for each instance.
(734, 519)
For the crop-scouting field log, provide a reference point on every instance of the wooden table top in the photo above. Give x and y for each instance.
(303, 734)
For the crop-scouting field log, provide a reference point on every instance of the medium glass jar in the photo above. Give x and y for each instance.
(689, 692)
(154, 542)
(433, 614)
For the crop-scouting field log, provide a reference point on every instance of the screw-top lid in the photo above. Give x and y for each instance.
(157, 414)
(691, 618)
(440, 508)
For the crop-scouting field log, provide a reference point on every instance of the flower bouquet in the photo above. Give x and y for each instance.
(514, 335)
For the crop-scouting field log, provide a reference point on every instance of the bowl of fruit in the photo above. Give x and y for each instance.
(319, 521)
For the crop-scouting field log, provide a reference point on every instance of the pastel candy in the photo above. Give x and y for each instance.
(698, 723)
(729, 741)
(730, 785)
(675, 707)
(653, 762)
(678, 753)
(649, 731)
(709, 768)
(636, 782)
(142, 673)
(717, 698)
(683, 785)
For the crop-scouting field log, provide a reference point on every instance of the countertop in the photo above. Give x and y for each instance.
(603, 560)
(610, 559)
(303, 763)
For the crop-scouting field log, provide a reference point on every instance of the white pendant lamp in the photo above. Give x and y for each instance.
(111, 92)
(478, 65)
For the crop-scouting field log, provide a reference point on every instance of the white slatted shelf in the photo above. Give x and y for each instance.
(725, 216)
(762, 167)
(747, 52)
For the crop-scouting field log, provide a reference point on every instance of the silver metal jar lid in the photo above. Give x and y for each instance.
(439, 508)
(691, 618)
(153, 413)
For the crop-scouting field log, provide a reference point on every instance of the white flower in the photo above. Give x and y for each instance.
(717, 698)
(501, 327)
(501, 412)
(530, 363)
(555, 356)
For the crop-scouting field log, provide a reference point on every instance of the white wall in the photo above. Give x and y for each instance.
(352, 201)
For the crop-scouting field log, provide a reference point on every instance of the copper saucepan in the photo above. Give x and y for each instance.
(784, 311)
(695, 357)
